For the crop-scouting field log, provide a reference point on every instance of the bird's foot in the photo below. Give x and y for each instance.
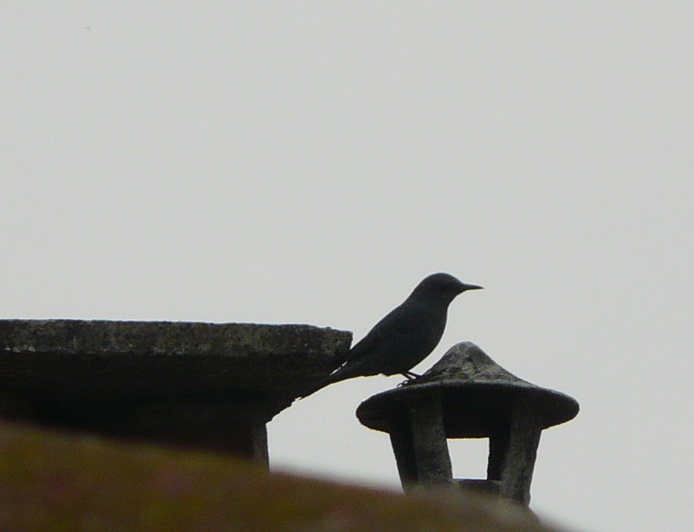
(410, 376)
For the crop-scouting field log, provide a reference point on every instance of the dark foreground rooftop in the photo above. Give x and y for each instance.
(51, 481)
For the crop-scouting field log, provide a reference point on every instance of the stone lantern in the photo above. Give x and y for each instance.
(467, 395)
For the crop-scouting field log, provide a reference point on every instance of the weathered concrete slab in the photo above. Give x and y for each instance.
(204, 386)
(127, 359)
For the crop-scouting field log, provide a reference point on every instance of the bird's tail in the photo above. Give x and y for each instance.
(335, 376)
(315, 387)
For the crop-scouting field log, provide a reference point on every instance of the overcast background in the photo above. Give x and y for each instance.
(310, 162)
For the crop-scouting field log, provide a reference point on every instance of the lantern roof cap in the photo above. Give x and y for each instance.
(477, 395)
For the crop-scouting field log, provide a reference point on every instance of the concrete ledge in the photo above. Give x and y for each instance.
(122, 359)
(200, 386)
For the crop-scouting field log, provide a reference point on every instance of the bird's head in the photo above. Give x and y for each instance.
(441, 287)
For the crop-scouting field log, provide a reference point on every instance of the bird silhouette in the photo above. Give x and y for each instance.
(404, 337)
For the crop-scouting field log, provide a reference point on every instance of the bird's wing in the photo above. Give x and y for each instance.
(394, 328)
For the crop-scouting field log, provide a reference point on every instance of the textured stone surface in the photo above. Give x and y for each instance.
(192, 385)
(121, 359)
(477, 396)
(467, 395)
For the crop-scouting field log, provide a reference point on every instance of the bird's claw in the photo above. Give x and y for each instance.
(410, 377)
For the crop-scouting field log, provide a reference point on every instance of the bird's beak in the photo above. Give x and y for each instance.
(467, 287)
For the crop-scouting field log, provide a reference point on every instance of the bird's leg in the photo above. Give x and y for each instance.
(409, 375)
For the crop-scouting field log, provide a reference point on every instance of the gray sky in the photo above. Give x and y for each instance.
(310, 162)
